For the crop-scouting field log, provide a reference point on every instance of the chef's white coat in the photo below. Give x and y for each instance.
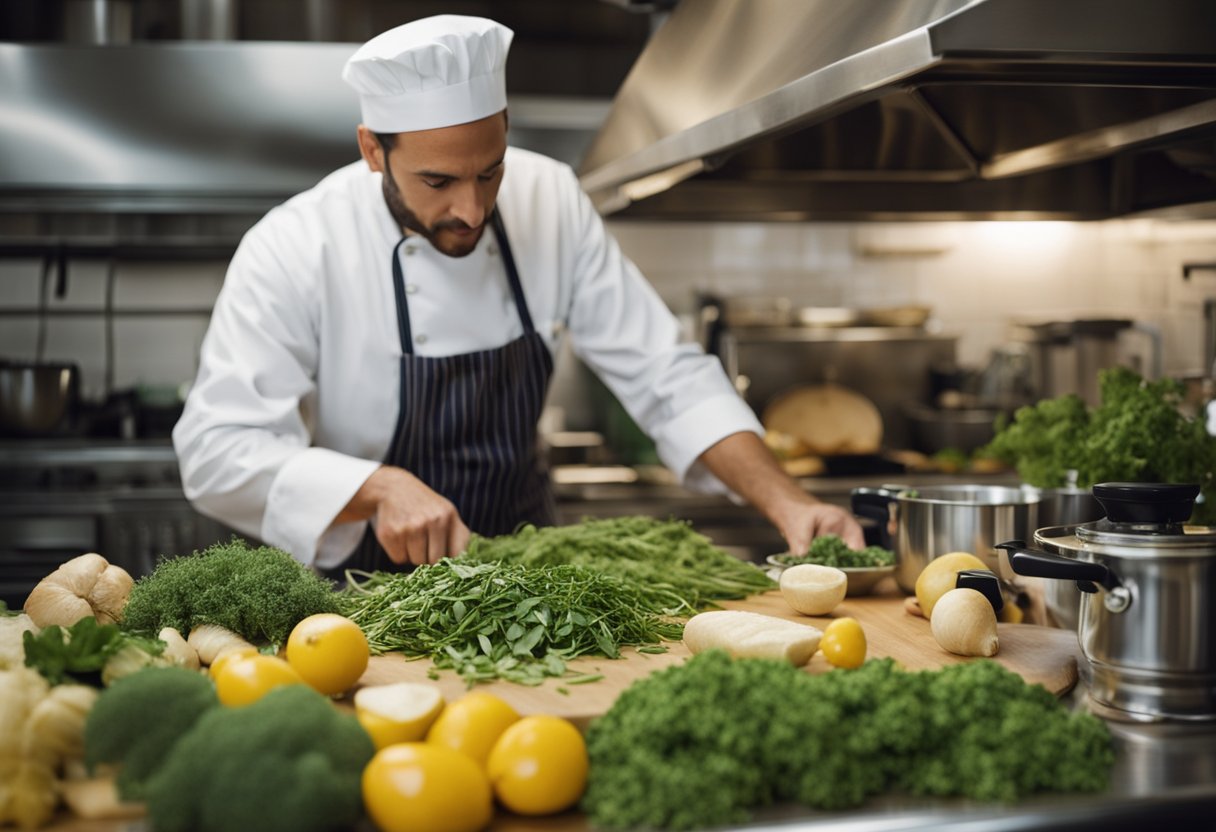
(297, 392)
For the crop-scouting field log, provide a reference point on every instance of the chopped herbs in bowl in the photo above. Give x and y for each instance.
(864, 567)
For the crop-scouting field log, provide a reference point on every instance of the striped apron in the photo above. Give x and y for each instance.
(466, 425)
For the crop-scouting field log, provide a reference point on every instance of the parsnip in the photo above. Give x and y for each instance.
(751, 635)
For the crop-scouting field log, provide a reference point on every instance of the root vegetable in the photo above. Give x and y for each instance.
(211, 641)
(177, 650)
(751, 635)
(85, 586)
(964, 623)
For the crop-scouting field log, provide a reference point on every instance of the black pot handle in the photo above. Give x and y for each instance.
(1036, 563)
(875, 504)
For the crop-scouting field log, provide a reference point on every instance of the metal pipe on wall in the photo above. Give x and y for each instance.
(209, 19)
(97, 22)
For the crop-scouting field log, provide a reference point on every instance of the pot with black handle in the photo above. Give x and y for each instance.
(920, 524)
(1148, 584)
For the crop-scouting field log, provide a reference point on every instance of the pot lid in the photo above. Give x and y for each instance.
(1141, 518)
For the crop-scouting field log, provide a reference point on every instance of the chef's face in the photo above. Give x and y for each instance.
(442, 183)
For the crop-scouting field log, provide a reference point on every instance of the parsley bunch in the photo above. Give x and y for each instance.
(705, 743)
(1137, 434)
(830, 550)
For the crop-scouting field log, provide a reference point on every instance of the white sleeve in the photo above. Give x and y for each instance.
(242, 442)
(623, 331)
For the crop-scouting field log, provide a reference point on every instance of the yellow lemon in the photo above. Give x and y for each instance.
(414, 786)
(401, 712)
(226, 656)
(539, 766)
(472, 724)
(328, 651)
(938, 577)
(844, 643)
(243, 680)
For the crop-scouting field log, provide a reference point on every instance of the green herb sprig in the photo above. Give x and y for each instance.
(78, 653)
(504, 621)
(677, 571)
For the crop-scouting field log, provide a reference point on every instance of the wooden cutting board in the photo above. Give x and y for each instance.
(1040, 655)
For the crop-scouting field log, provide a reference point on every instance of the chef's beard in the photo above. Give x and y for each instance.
(409, 220)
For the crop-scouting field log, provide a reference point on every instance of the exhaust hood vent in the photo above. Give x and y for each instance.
(940, 109)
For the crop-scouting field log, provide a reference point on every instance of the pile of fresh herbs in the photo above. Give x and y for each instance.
(830, 550)
(506, 620)
(676, 570)
(1137, 434)
(703, 744)
(258, 593)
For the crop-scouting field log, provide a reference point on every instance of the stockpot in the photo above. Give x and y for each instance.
(1148, 586)
(1067, 506)
(920, 524)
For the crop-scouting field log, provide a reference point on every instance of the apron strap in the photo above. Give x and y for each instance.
(403, 311)
(508, 261)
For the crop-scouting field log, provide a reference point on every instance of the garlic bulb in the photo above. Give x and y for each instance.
(85, 586)
(212, 640)
(964, 623)
(177, 650)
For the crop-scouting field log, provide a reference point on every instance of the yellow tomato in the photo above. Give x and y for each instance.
(243, 680)
(844, 643)
(472, 724)
(411, 787)
(228, 655)
(328, 651)
(539, 766)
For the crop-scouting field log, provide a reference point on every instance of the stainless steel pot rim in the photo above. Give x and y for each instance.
(983, 496)
(1072, 541)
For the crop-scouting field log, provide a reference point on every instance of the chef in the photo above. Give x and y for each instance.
(377, 361)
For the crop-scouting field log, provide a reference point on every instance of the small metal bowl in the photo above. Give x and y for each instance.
(861, 580)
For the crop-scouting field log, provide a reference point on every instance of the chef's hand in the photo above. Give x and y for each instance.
(814, 519)
(413, 523)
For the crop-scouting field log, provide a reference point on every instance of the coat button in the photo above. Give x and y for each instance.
(491, 249)
(410, 249)
(420, 338)
(411, 288)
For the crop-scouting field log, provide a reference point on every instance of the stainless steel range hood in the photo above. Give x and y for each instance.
(920, 109)
(203, 128)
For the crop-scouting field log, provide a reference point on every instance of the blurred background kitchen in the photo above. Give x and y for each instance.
(949, 208)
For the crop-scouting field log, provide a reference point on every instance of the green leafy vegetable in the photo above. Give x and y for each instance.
(703, 744)
(677, 570)
(830, 550)
(1137, 434)
(505, 621)
(78, 653)
(290, 762)
(137, 720)
(259, 594)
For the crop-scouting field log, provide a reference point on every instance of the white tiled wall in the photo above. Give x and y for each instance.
(977, 277)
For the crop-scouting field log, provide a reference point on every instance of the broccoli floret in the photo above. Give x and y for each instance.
(259, 594)
(136, 721)
(290, 762)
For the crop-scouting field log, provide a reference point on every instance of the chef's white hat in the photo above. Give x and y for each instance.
(434, 72)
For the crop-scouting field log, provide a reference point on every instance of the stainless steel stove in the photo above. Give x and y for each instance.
(62, 497)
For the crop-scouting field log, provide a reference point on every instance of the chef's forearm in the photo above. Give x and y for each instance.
(745, 464)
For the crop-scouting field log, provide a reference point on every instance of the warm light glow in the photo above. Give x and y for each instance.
(1025, 237)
